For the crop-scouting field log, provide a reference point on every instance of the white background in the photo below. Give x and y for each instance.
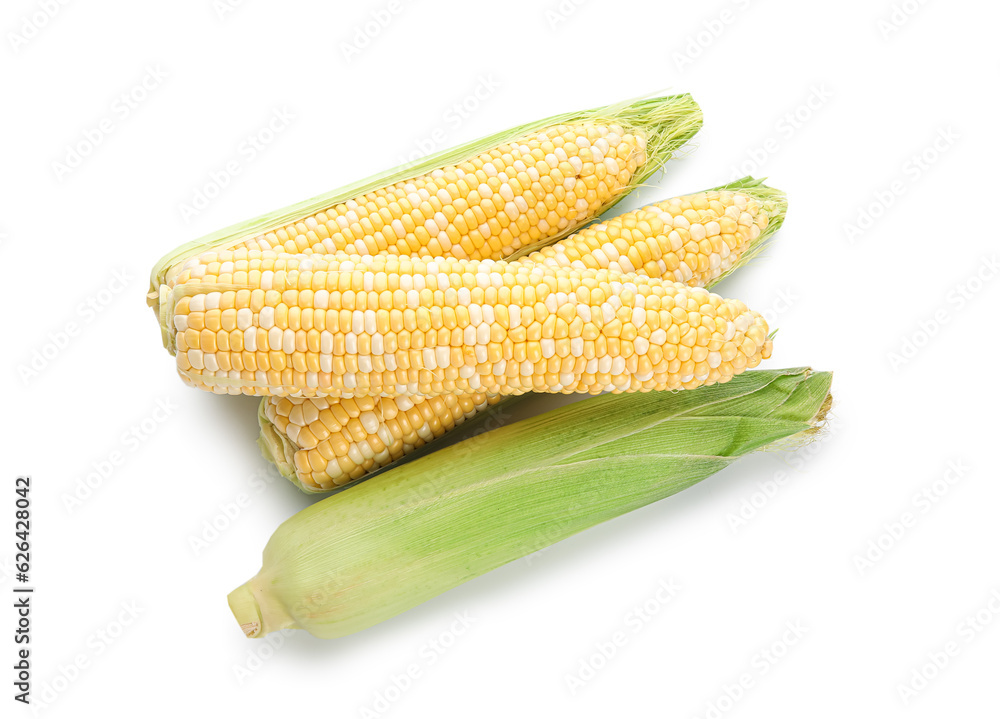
(883, 87)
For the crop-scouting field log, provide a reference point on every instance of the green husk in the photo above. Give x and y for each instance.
(774, 201)
(277, 448)
(668, 122)
(393, 542)
(280, 450)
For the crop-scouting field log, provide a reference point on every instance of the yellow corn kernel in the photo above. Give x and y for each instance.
(651, 240)
(374, 438)
(447, 359)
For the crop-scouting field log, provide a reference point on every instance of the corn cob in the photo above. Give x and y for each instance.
(321, 443)
(519, 188)
(346, 325)
(493, 203)
(694, 239)
(379, 548)
(319, 451)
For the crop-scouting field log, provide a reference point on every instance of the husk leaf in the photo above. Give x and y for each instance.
(392, 542)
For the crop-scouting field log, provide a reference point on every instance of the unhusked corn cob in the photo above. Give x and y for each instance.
(346, 325)
(339, 440)
(318, 456)
(368, 554)
(519, 188)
